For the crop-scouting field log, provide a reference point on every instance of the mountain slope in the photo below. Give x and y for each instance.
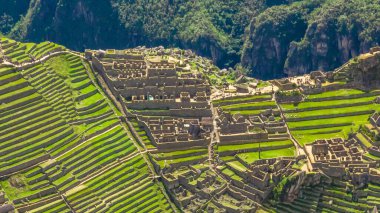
(271, 38)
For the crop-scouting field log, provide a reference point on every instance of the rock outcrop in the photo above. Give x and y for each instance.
(363, 71)
(279, 44)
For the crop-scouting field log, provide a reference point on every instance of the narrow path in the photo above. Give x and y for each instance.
(44, 58)
(299, 149)
(67, 203)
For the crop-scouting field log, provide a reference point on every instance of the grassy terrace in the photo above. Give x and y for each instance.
(250, 157)
(85, 161)
(249, 147)
(343, 92)
(56, 206)
(89, 103)
(59, 133)
(126, 185)
(28, 127)
(342, 201)
(142, 134)
(330, 114)
(230, 173)
(189, 156)
(249, 151)
(310, 202)
(364, 140)
(250, 106)
(25, 52)
(330, 198)
(308, 106)
(15, 51)
(335, 111)
(247, 105)
(239, 99)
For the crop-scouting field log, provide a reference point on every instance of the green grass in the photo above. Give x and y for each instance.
(248, 146)
(162, 163)
(356, 120)
(364, 140)
(92, 76)
(247, 112)
(238, 99)
(251, 157)
(332, 103)
(309, 130)
(15, 192)
(309, 136)
(252, 105)
(373, 157)
(237, 165)
(60, 65)
(337, 93)
(231, 174)
(177, 154)
(89, 101)
(334, 111)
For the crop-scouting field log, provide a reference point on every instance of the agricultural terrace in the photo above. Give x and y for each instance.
(255, 105)
(241, 99)
(60, 135)
(169, 158)
(330, 114)
(368, 136)
(331, 198)
(18, 53)
(180, 157)
(236, 157)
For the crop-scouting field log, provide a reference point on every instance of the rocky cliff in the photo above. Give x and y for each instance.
(363, 71)
(210, 28)
(310, 35)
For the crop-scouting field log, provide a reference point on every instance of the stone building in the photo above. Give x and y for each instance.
(342, 159)
(154, 86)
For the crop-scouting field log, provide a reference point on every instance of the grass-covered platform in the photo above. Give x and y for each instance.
(330, 114)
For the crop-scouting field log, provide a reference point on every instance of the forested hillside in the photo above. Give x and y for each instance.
(271, 38)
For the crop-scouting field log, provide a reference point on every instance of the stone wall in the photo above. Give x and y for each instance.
(373, 151)
(28, 207)
(25, 165)
(6, 208)
(345, 97)
(329, 116)
(167, 104)
(177, 112)
(168, 90)
(243, 138)
(233, 152)
(225, 103)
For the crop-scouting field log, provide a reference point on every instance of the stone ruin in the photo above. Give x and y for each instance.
(171, 133)
(159, 85)
(375, 121)
(341, 159)
(194, 187)
(262, 175)
(284, 84)
(236, 128)
(4, 206)
(262, 171)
